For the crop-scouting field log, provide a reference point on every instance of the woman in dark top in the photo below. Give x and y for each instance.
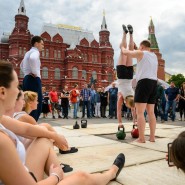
(182, 101)
(65, 101)
(45, 105)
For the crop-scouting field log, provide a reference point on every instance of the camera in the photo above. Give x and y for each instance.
(170, 162)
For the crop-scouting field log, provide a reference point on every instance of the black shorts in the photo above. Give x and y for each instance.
(124, 72)
(146, 91)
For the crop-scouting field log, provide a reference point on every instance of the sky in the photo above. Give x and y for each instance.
(168, 17)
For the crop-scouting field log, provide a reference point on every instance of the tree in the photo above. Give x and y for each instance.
(177, 79)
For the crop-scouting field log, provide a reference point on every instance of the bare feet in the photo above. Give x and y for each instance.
(152, 140)
(139, 141)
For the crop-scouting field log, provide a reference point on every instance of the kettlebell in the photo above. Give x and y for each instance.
(76, 125)
(135, 132)
(84, 123)
(121, 133)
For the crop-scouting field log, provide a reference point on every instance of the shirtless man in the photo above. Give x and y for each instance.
(125, 75)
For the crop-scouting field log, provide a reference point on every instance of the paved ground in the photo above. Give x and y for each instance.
(98, 147)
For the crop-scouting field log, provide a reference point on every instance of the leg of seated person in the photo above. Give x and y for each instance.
(50, 128)
(39, 156)
(84, 178)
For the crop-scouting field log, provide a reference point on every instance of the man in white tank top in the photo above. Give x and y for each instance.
(125, 75)
(145, 93)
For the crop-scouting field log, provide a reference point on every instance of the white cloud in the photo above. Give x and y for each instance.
(168, 17)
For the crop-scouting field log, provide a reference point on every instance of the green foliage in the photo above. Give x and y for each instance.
(177, 79)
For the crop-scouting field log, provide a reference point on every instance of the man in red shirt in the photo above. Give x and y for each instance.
(53, 97)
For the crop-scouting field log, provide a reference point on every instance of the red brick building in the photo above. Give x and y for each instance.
(71, 55)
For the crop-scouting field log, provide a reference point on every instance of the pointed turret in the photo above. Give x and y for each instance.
(154, 48)
(17, 46)
(22, 9)
(104, 33)
(104, 25)
(151, 37)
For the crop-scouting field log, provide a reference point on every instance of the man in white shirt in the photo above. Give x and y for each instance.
(145, 93)
(30, 66)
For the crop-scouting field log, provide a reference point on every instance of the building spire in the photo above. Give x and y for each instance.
(104, 25)
(151, 36)
(22, 9)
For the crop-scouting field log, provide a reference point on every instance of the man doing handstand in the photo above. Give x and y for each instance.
(125, 75)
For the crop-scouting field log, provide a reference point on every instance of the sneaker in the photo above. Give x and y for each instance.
(53, 117)
(59, 116)
(130, 29)
(125, 29)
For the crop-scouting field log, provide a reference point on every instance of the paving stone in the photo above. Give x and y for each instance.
(100, 158)
(168, 133)
(154, 173)
(98, 129)
(159, 145)
(90, 140)
(69, 132)
(162, 126)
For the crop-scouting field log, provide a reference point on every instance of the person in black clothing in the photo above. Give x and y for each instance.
(182, 101)
(112, 99)
(103, 99)
(172, 96)
(45, 105)
(158, 104)
(65, 101)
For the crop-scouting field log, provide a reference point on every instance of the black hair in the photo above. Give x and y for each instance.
(6, 73)
(36, 39)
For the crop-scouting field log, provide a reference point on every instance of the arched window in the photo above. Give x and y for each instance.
(86, 58)
(75, 73)
(43, 53)
(24, 50)
(59, 54)
(93, 59)
(94, 75)
(82, 56)
(84, 74)
(110, 79)
(55, 53)
(57, 73)
(21, 74)
(45, 73)
(22, 9)
(20, 51)
(47, 53)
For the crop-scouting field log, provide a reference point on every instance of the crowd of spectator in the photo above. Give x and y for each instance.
(94, 102)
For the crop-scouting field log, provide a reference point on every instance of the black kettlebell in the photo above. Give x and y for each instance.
(84, 123)
(76, 125)
(121, 133)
